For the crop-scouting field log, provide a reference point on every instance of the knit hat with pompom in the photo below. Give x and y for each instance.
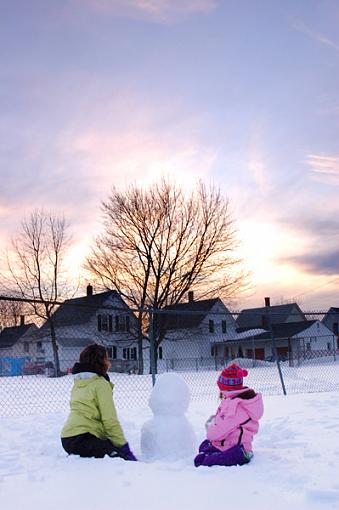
(231, 378)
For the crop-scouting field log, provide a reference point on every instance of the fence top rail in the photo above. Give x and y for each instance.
(162, 311)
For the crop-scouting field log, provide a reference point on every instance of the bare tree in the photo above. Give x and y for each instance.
(159, 242)
(10, 312)
(35, 267)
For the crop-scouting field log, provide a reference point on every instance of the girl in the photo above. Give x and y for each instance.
(92, 428)
(230, 434)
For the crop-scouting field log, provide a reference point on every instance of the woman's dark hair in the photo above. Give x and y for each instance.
(95, 356)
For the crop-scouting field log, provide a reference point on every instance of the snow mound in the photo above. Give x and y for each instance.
(171, 438)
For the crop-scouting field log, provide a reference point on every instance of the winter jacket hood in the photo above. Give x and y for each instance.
(84, 368)
(236, 420)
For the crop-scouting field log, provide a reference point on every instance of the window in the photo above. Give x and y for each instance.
(329, 346)
(308, 346)
(105, 322)
(39, 346)
(214, 350)
(112, 352)
(211, 326)
(133, 353)
(160, 352)
(223, 327)
(335, 328)
(125, 353)
(122, 323)
(26, 347)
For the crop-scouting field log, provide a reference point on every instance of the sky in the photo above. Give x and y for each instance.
(240, 93)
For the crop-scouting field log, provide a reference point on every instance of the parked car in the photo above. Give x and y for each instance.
(33, 368)
(38, 368)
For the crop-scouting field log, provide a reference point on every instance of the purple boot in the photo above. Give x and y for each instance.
(234, 456)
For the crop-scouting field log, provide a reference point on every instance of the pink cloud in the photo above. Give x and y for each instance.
(154, 10)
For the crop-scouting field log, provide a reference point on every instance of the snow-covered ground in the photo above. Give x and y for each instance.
(295, 465)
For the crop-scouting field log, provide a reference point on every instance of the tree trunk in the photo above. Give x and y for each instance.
(140, 346)
(55, 348)
(140, 356)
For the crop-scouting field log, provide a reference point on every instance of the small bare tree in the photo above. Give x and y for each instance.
(159, 242)
(35, 267)
(10, 313)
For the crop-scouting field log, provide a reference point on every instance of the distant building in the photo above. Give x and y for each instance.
(16, 345)
(331, 320)
(103, 318)
(277, 314)
(191, 331)
(293, 341)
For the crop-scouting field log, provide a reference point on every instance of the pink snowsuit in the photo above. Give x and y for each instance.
(236, 421)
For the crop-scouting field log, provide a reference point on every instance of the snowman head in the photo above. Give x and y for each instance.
(170, 395)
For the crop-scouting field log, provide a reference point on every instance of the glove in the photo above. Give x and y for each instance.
(125, 452)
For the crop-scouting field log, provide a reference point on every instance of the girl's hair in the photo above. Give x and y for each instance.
(95, 356)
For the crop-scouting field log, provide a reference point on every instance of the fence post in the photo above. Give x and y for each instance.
(274, 349)
(152, 345)
(333, 344)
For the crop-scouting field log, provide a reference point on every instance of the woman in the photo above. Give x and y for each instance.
(92, 428)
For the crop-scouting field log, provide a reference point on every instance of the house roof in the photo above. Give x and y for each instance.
(80, 310)
(333, 310)
(285, 330)
(9, 336)
(252, 317)
(183, 319)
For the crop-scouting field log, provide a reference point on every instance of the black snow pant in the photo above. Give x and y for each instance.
(87, 445)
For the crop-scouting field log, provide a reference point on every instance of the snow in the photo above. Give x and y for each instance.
(168, 435)
(295, 462)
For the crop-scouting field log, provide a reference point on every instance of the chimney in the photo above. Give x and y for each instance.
(190, 296)
(22, 320)
(89, 290)
(267, 301)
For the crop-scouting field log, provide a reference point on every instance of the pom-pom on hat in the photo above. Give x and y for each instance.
(231, 378)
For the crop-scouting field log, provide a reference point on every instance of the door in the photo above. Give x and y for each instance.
(259, 353)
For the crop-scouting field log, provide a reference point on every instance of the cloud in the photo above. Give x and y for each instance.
(314, 34)
(257, 160)
(324, 168)
(317, 263)
(161, 11)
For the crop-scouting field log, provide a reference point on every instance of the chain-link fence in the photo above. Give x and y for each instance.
(283, 348)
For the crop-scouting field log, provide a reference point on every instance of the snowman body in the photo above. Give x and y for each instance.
(168, 435)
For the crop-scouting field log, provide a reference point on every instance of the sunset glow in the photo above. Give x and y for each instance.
(243, 95)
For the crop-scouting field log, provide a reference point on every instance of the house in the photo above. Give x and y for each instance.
(294, 341)
(277, 314)
(331, 320)
(15, 346)
(191, 331)
(103, 318)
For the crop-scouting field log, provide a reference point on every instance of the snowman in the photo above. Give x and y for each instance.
(168, 435)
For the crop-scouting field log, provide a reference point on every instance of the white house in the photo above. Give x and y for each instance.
(294, 341)
(191, 331)
(102, 318)
(331, 320)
